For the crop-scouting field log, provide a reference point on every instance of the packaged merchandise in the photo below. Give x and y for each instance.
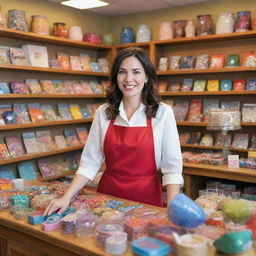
(27, 170)
(253, 141)
(82, 133)
(75, 62)
(249, 113)
(34, 86)
(188, 62)
(226, 85)
(162, 86)
(19, 87)
(213, 85)
(4, 88)
(54, 63)
(94, 85)
(81, 88)
(180, 109)
(241, 140)
(69, 86)
(85, 112)
(60, 141)
(163, 64)
(7, 171)
(71, 138)
(116, 244)
(95, 67)
(59, 87)
(195, 110)
(219, 141)
(202, 61)
(185, 138)
(64, 112)
(206, 140)
(30, 142)
(243, 21)
(232, 60)
(103, 62)
(4, 153)
(21, 111)
(230, 105)
(195, 138)
(36, 114)
(85, 62)
(75, 111)
(217, 61)
(187, 84)
(45, 169)
(9, 117)
(63, 60)
(249, 59)
(239, 85)
(175, 62)
(48, 87)
(18, 57)
(14, 145)
(4, 55)
(251, 84)
(208, 105)
(49, 113)
(92, 108)
(36, 55)
(174, 87)
(68, 223)
(45, 142)
(199, 85)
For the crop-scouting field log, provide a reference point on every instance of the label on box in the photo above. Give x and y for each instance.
(233, 161)
(252, 154)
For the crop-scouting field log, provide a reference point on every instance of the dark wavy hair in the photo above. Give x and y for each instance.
(150, 95)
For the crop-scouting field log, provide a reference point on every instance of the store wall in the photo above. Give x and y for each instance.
(58, 13)
(154, 18)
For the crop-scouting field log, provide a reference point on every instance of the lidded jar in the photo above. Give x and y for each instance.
(143, 33)
(39, 25)
(243, 21)
(17, 20)
(179, 28)
(2, 20)
(126, 35)
(107, 38)
(225, 23)
(190, 29)
(75, 33)
(60, 29)
(166, 30)
(204, 25)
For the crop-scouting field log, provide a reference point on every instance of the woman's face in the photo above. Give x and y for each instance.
(131, 77)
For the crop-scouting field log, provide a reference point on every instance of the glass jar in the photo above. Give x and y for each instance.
(75, 33)
(179, 28)
(107, 38)
(2, 20)
(166, 30)
(190, 29)
(39, 25)
(126, 35)
(17, 20)
(243, 21)
(225, 23)
(60, 29)
(143, 33)
(204, 25)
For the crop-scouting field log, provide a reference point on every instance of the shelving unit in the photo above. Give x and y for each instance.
(13, 72)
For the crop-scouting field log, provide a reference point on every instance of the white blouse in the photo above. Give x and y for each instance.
(166, 141)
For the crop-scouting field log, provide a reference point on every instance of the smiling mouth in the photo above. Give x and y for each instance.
(129, 86)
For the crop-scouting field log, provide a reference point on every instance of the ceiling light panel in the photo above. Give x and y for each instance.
(84, 4)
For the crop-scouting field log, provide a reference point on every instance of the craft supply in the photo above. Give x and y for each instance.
(225, 23)
(39, 25)
(116, 244)
(143, 33)
(202, 61)
(232, 60)
(126, 35)
(75, 33)
(190, 29)
(243, 21)
(179, 28)
(36, 217)
(17, 20)
(22, 200)
(204, 25)
(60, 29)
(19, 211)
(175, 62)
(68, 223)
(18, 184)
(166, 30)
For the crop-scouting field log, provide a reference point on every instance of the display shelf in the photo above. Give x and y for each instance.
(39, 155)
(204, 124)
(62, 174)
(23, 35)
(51, 70)
(142, 45)
(52, 96)
(206, 38)
(206, 71)
(216, 148)
(44, 124)
(208, 93)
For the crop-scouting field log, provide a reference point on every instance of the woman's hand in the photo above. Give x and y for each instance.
(57, 205)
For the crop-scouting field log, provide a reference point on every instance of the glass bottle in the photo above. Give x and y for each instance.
(60, 29)
(126, 35)
(143, 33)
(243, 21)
(190, 29)
(17, 20)
(39, 25)
(204, 25)
(225, 23)
(75, 33)
(179, 28)
(166, 30)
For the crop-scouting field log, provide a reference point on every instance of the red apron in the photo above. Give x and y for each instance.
(131, 171)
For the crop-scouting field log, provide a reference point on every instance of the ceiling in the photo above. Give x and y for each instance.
(123, 7)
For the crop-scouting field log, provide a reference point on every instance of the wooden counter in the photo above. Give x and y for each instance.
(19, 238)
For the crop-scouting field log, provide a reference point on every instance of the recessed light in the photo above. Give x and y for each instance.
(84, 4)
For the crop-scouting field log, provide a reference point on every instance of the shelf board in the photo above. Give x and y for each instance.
(23, 35)
(215, 148)
(208, 93)
(52, 96)
(44, 124)
(204, 124)
(142, 44)
(39, 155)
(220, 171)
(62, 174)
(206, 38)
(11, 67)
(206, 71)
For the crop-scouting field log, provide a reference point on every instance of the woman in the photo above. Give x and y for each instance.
(135, 133)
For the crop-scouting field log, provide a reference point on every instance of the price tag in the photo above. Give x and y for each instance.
(233, 161)
(252, 154)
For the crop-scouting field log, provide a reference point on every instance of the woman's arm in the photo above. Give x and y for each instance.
(60, 205)
(172, 191)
